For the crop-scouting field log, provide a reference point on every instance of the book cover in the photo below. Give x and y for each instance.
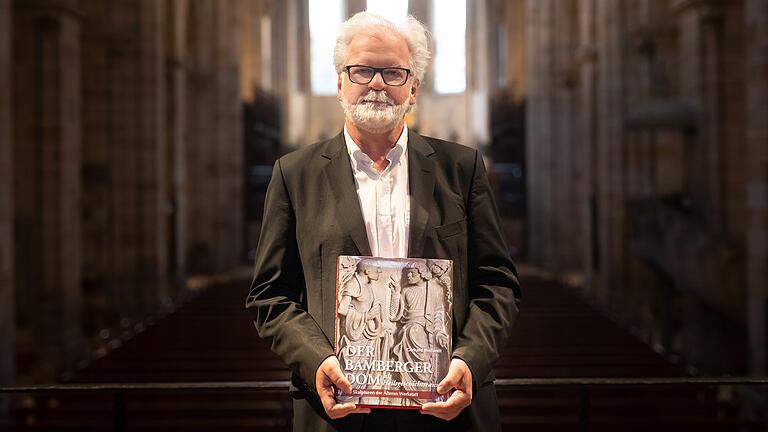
(393, 329)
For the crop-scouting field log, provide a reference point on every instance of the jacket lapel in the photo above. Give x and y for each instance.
(421, 180)
(338, 172)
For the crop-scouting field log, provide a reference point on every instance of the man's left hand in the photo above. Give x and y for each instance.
(459, 378)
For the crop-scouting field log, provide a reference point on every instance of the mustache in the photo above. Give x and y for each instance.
(376, 96)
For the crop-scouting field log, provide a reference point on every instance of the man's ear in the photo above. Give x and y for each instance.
(338, 86)
(414, 92)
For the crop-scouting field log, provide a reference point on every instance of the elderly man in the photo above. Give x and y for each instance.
(378, 189)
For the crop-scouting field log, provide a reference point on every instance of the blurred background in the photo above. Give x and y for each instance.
(627, 142)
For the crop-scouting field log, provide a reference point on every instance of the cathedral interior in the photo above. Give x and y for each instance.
(626, 141)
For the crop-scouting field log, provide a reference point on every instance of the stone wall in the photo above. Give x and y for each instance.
(653, 102)
(127, 162)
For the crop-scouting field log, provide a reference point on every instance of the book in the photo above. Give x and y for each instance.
(393, 329)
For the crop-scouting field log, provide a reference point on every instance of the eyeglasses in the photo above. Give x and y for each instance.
(392, 76)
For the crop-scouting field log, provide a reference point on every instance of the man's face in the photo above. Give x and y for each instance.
(412, 276)
(376, 106)
(436, 269)
(372, 273)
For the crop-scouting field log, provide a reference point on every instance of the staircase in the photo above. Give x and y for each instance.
(212, 339)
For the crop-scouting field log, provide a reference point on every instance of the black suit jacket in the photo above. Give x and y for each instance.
(312, 215)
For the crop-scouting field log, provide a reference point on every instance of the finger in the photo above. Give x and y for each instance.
(432, 406)
(458, 401)
(451, 380)
(439, 412)
(327, 399)
(345, 409)
(338, 379)
(449, 409)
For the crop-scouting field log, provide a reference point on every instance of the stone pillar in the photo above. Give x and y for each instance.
(292, 82)
(756, 26)
(555, 174)
(215, 153)
(714, 124)
(610, 144)
(515, 13)
(587, 136)
(126, 205)
(153, 206)
(539, 128)
(251, 49)
(702, 86)
(101, 311)
(566, 171)
(178, 136)
(47, 121)
(228, 143)
(7, 286)
(479, 77)
(201, 122)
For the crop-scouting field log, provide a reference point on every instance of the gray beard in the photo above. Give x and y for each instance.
(372, 118)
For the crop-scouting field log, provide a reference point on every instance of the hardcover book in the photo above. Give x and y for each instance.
(393, 329)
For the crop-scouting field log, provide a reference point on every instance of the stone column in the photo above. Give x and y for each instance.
(586, 135)
(293, 85)
(215, 153)
(756, 25)
(478, 75)
(228, 143)
(515, 13)
(539, 128)
(554, 170)
(97, 175)
(178, 135)
(566, 149)
(7, 286)
(47, 123)
(125, 157)
(151, 183)
(251, 47)
(714, 124)
(702, 86)
(199, 151)
(610, 145)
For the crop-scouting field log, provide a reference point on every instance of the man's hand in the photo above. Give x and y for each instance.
(459, 377)
(329, 377)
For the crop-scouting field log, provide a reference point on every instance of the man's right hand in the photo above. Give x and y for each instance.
(329, 377)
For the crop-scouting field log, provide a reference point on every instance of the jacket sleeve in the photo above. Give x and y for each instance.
(494, 289)
(275, 297)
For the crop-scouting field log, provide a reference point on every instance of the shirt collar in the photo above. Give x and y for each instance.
(359, 158)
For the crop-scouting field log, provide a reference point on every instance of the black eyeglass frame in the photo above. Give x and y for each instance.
(379, 71)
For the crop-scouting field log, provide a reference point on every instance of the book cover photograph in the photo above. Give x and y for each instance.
(393, 329)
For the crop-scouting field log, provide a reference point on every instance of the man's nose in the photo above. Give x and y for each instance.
(377, 83)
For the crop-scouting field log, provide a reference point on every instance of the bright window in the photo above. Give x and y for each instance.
(325, 18)
(393, 10)
(449, 26)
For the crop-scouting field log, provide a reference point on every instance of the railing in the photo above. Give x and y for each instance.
(119, 390)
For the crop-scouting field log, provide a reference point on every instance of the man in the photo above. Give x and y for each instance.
(378, 189)
(419, 307)
(363, 318)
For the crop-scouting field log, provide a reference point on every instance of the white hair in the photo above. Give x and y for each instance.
(413, 31)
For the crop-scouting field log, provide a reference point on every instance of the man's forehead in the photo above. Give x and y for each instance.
(379, 41)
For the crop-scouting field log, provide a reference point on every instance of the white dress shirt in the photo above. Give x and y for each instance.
(383, 197)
